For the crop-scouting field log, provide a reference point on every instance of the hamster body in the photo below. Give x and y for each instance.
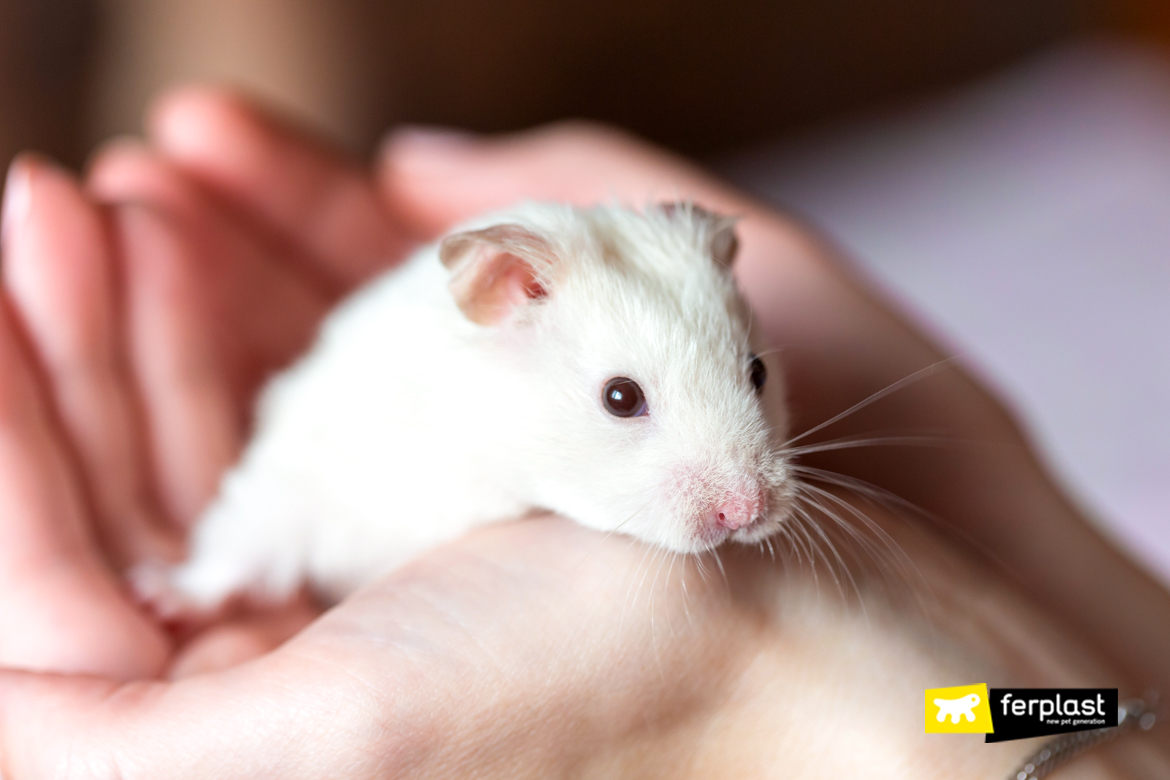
(596, 363)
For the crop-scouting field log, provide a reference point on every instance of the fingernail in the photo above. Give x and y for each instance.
(17, 200)
(426, 139)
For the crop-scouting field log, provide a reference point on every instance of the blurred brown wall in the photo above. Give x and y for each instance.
(308, 56)
(694, 75)
(1149, 19)
(698, 76)
(44, 48)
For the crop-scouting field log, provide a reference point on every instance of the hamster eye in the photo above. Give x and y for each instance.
(759, 373)
(623, 398)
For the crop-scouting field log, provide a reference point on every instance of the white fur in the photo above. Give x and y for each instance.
(407, 423)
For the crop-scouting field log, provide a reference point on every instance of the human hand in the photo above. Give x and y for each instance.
(141, 404)
(540, 621)
(61, 603)
(136, 335)
(834, 333)
(851, 364)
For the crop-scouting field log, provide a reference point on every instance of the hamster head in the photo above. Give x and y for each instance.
(643, 406)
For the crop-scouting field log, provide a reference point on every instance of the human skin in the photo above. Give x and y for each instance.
(134, 337)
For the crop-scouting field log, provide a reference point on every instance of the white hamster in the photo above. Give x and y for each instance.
(595, 362)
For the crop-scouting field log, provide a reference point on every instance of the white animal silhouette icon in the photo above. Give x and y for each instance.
(964, 705)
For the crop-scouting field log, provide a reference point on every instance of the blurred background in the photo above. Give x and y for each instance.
(700, 77)
(1002, 167)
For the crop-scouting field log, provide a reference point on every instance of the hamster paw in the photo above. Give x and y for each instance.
(153, 585)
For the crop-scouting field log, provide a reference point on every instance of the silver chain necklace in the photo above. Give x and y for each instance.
(1132, 715)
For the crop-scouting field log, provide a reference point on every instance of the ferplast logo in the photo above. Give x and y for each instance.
(962, 709)
(1018, 713)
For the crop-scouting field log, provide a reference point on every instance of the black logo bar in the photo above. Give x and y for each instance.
(1019, 713)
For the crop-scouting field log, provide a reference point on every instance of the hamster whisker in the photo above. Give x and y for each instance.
(633, 514)
(870, 441)
(817, 497)
(880, 394)
(658, 558)
(816, 547)
(701, 567)
(804, 543)
(638, 589)
(670, 557)
(878, 495)
(841, 564)
(799, 543)
(722, 571)
(899, 555)
(658, 555)
(608, 534)
(674, 558)
(662, 558)
(890, 558)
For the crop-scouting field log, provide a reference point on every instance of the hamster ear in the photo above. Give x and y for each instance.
(722, 241)
(496, 269)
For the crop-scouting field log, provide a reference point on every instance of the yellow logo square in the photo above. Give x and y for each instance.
(963, 709)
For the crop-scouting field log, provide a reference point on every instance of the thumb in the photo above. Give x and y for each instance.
(48, 726)
(434, 178)
(265, 718)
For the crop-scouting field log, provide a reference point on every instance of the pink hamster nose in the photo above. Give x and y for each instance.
(736, 510)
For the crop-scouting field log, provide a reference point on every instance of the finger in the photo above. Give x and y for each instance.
(126, 169)
(267, 308)
(232, 642)
(34, 711)
(434, 179)
(61, 608)
(238, 309)
(301, 189)
(255, 721)
(59, 276)
(195, 426)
